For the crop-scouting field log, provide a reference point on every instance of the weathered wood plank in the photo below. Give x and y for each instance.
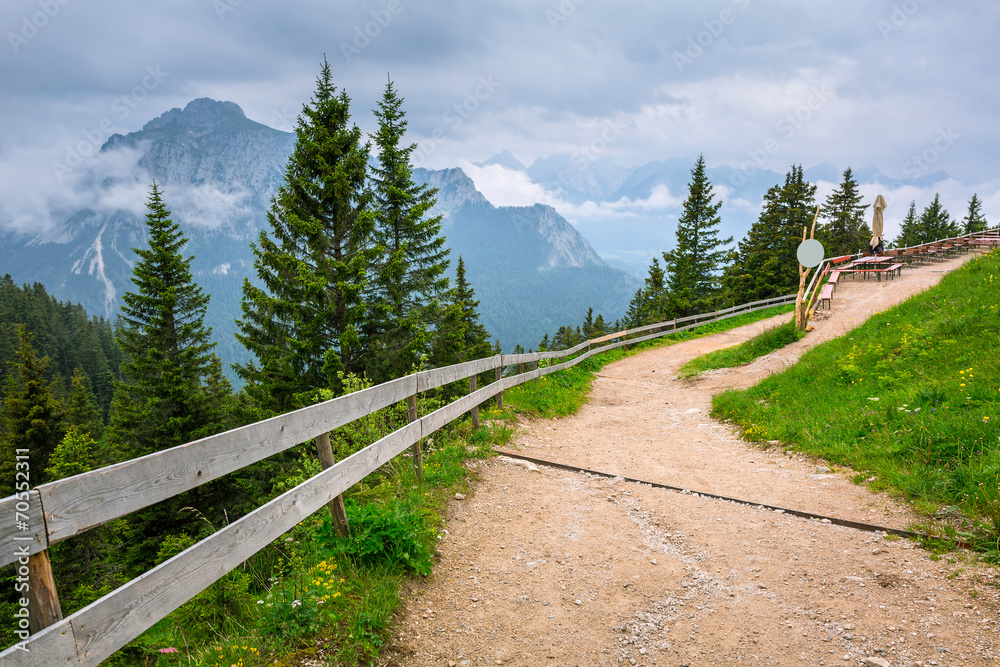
(577, 348)
(441, 376)
(324, 450)
(109, 623)
(455, 409)
(499, 376)
(22, 533)
(75, 504)
(601, 339)
(53, 646)
(43, 600)
(474, 413)
(416, 454)
(526, 358)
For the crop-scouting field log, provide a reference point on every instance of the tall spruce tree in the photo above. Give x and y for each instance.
(909, 232)
(765, 263)
(936, 222)
(476, 339)
(303, 323)
(650, 302)
(845, 231)
(692, 268)
(411, 259)
(974, 220)
(161, 402)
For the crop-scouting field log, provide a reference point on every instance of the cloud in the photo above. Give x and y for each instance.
(38, 193)
(507, 187)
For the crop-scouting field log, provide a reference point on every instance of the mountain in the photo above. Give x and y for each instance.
(218, 170)
(505, 159)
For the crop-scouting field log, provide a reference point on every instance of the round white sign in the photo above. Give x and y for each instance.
(810, 253)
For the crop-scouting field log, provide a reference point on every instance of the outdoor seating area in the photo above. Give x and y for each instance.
(892, 262)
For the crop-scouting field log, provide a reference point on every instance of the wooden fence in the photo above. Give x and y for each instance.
(34, 519)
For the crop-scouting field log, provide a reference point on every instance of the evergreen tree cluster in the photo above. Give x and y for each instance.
(935, 223)
(64, 333)
(352, 276)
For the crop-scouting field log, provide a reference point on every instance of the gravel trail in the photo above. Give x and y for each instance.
(547, 567)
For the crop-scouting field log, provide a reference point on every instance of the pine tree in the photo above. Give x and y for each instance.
(909, 232)
(409, 276)
(303, 323)
(460, 336)
(936, 222)
(692, 267)
(31, 420)
(765, 264)
(81, 411)
(650, 303)
(161, 402)
(588, 324)
(974, 220)
(476, 339)
(600, 328)
(845, 231)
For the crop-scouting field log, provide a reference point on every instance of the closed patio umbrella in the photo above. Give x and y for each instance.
(877, 222)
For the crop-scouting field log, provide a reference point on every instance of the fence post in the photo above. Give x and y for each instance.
(337, 510)
(418, 457)
(499, 375)
(474, 412)
(43, 601)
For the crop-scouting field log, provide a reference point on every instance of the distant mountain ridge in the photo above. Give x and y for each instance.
(218, 171)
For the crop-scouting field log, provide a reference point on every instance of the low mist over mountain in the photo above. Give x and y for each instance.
(218, 170)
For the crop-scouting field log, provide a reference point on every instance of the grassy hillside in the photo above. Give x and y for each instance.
(910, 400)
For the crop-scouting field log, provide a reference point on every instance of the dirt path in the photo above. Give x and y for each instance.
(546, 567)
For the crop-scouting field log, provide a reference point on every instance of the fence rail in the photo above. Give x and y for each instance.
(58, 510)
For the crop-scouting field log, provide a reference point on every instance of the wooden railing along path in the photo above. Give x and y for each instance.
(35, 518)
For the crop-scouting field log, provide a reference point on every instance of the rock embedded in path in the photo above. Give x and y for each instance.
(876, 662)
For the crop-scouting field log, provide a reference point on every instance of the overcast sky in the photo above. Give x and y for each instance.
(907, 85)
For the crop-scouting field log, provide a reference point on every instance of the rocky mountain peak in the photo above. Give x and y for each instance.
(200, 116)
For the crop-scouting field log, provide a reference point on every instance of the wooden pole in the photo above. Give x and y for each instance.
(801, 314)
(500, 394)
(474, 412)
(337, 509)
(43, 601)
(418, 458)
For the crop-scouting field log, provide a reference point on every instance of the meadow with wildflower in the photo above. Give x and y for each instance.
(910, 400)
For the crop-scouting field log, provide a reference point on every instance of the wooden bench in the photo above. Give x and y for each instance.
(834, 279)
(826, 294)
(890, 271)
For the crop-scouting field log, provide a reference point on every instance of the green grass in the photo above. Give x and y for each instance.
(763, 343)
(910, 400)
(562, 393)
